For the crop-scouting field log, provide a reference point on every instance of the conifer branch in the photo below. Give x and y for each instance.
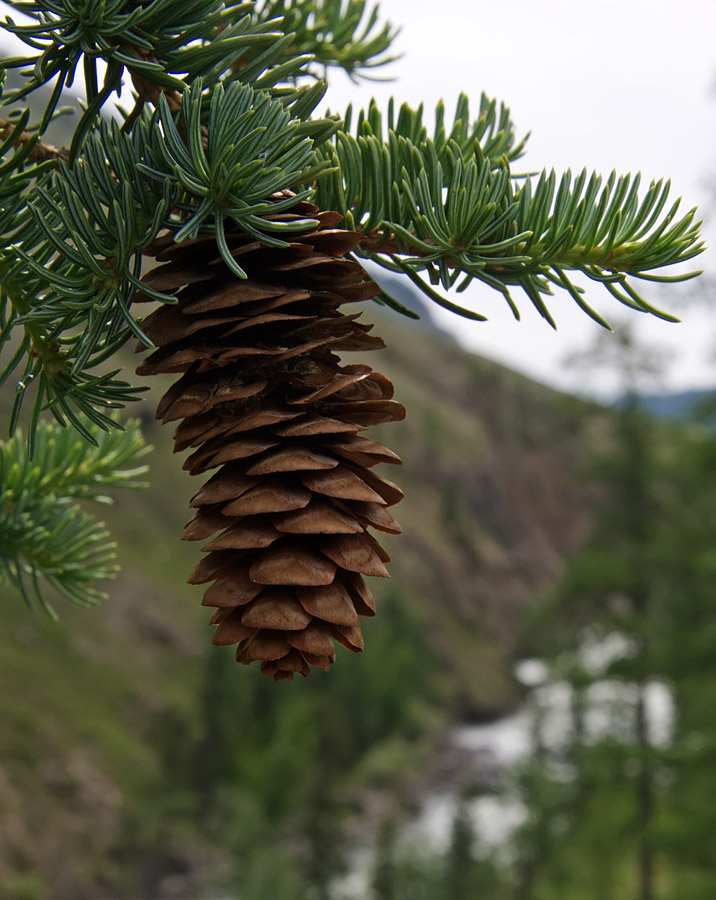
(447, 210)
(46, 539)
(336, 33)
(154, 43)
(224, 139)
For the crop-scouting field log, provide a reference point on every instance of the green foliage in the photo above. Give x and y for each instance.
(465, 874)
(46, 539)
(450, 207)
(403, 871)
(155, 42)
(71, 244)
(14, 181)
(630, 817)
(72, 259)
(579, 838)
(255, 147)
(334, 32)
(68, 289)
(232, 143)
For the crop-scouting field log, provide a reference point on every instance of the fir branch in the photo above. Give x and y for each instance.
(85, 230)
(234, 145)
(70, 261)
(447, 211)
(165, 46)
(46, 539)
(337, 33)
(253, 150)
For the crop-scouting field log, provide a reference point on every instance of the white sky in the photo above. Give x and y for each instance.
(614, 84)
(606, 84)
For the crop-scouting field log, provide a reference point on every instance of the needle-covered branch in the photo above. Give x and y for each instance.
(164, 46)
(345, 34)
(71, 260)
(46, 539)
(446, 210)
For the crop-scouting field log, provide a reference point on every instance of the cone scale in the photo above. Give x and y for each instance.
(264, 399)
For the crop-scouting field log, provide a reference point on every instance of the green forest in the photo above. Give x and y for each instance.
(552, 586)
(136, 761)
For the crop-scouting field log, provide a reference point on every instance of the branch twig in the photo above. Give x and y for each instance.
(41, 151)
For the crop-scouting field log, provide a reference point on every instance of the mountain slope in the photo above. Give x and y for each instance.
(119, 725)
(495, 498)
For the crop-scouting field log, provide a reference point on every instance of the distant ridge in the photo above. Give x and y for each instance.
(679, 406)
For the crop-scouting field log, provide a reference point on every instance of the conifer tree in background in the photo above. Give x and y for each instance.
(631, 819)
(466, 875)
(686, 651)
(258, 212)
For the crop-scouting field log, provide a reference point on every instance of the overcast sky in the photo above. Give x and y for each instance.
(612, 84)
(607, 84)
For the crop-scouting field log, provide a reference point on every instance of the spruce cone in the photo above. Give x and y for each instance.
(264, 397)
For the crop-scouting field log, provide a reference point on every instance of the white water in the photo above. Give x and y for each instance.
(546, 718)
(504, 744)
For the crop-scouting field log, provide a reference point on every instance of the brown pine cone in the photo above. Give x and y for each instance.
(264, 398)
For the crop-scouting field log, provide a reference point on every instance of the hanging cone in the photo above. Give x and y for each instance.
(264, 399)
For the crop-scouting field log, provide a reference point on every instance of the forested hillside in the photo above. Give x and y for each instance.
(138, 760)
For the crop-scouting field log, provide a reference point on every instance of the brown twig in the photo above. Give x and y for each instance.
(41, 151)
(378, 242)
(147, 89)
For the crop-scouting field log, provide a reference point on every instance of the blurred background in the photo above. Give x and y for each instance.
(534, 715)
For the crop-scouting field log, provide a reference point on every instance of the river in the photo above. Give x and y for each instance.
(500, 747)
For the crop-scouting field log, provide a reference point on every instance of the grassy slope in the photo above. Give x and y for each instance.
(98, 710)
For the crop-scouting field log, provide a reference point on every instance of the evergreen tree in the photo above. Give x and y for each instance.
(215, 756)
(466, 875)
(645, 575)
(385, 871)
(685, 646)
